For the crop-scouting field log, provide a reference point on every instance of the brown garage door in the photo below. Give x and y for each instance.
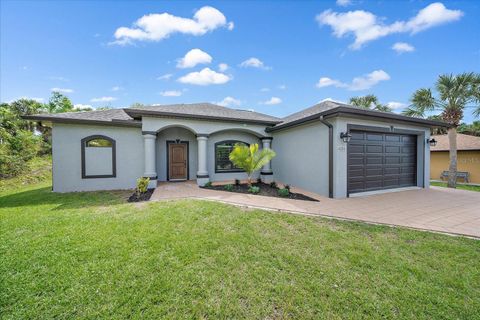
(379, 161)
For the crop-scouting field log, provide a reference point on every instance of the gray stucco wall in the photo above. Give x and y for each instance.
(302, 157)
(161, 150)
(66, 150)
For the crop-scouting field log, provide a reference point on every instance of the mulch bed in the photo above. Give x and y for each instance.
(142, 197)
(265, 190)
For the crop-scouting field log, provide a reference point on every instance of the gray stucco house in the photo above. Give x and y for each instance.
(331, 149)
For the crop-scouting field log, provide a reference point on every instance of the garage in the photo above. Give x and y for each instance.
(378, 161)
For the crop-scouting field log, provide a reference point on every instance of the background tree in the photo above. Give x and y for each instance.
(250, 158)
(59, 103)
(369, 102)
(471, 129)
(454, 94)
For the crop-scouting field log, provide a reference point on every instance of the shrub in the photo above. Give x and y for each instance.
(208, 184)
(142, 184)
(273, 185)
(283, 192)
(254, 189)
(287, 186)
(228, 187)
(237, 182)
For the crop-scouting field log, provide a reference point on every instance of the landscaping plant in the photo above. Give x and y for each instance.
(254, 189)
(283, 192)
(273, 184)
(142, 185)
(250, 158)
(228, 187)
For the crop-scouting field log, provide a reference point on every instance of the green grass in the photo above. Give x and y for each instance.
(91, 255)
(459, 186)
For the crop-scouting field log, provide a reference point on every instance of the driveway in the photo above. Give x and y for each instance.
(435, 209)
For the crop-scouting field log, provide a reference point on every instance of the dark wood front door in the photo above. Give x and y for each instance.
(177, 161)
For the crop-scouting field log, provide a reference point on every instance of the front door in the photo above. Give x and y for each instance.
(177, 161)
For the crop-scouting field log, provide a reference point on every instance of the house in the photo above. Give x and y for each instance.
(468, 156)
(331, 148)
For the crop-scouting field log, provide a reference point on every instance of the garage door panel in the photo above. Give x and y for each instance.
(381, 161)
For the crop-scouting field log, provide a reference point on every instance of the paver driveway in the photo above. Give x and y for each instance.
(436, 209)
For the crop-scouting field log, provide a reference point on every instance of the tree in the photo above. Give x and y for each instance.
(59, 103)
(455, 93)
(250, 159)
(369, 102)
(471, 129)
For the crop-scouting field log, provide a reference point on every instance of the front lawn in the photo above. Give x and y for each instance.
(459, 186)
(92, 255)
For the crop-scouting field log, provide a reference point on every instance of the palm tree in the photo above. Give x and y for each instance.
(369, 102)
(250, 159)
(455, 93)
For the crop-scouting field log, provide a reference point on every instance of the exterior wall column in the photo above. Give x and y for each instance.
(149, 141)
(267, 172)
(202, 173)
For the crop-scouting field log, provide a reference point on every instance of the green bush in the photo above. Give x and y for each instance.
(254, 189)
(283, 192)
(142, 184)
(208, 184)
(228, 187)
(16, 150)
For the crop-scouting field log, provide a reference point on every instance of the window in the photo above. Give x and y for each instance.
(98, 143)
(98, 157)
(222, 153)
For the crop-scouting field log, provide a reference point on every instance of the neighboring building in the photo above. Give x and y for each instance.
(468, 156)
(110, 149)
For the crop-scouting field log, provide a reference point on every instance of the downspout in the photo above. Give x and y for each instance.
(330, 156)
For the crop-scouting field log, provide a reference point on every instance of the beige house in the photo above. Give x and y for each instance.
(468, 153)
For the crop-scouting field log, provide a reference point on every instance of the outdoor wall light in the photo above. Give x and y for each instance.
(432, 142)
(345, 136)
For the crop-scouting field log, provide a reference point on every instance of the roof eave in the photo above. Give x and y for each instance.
(114, 122)
(136, 113)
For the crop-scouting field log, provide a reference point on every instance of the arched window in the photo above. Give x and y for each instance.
(98, 157)
(222, 153)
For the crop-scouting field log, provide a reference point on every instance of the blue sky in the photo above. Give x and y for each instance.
(279, 57)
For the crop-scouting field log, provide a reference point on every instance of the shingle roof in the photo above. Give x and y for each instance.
(464, 142)
(314, 110)
(203, 110)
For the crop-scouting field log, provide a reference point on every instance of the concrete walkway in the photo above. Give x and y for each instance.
(435, 209)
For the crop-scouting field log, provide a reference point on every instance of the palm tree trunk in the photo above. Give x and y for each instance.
(452, 174)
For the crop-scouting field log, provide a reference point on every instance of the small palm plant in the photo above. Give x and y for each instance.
(250, 159)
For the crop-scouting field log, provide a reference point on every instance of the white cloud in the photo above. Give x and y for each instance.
(56, 78)
(273, 101)
(103, 99)
(166, 76)
(171, 93)
(358, 83)
(194, 57)
(62, 90)
(80, 106)
(282, 87)
(331, 99)
(222, 67)
(402, 47)
(158, 26)
(265, 89)
(205, 77)
(396, 105)
(254, 63)
(327, 82)
(365, 26)
(27, 98)
(229, 101)
(117, 88)
(344, 3)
